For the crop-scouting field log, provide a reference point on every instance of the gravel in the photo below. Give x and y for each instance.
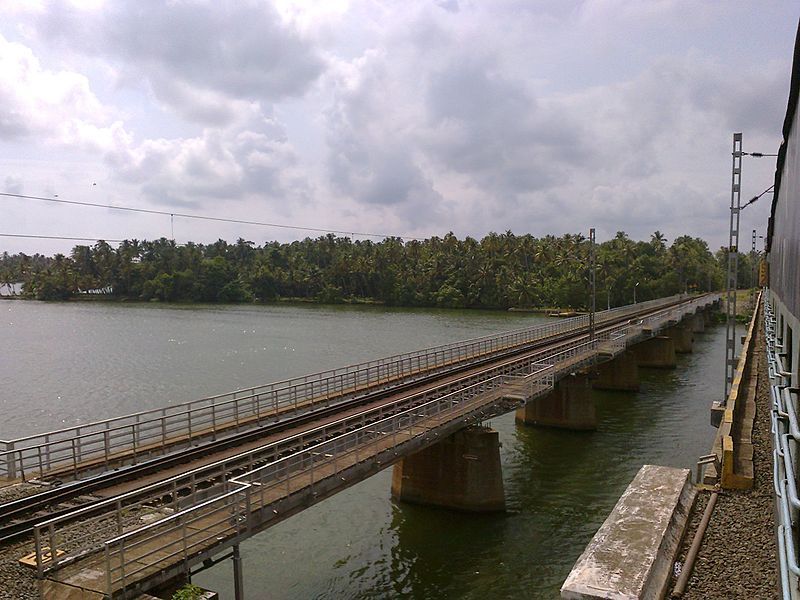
(17, 582)
(16, 491)
(738, 556)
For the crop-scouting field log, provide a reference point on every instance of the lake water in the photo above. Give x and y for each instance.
(66, 363)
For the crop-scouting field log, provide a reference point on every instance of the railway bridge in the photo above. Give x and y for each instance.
(142, 499)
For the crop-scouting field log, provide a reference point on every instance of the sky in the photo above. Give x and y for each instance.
(412, 118)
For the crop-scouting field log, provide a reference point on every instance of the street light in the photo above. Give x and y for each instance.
(634, 292)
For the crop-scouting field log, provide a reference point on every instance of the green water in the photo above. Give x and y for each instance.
(61, 364)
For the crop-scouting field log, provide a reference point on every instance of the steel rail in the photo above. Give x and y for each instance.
(151, 432)
(13, 511)
(48, 526)
(280, 473)
(101, 451)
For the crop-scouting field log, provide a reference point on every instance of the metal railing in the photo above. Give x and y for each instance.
(319, 467)
(134, 437)
(218, 498)
(785, 429)
(75, 533)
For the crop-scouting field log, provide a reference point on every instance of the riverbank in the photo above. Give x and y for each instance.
(293, 301)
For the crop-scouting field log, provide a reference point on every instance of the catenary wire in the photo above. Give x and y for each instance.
(204, 217)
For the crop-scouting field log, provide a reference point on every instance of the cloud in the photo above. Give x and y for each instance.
(13, 184)
(228, 164)
(371, 156)
(249, 157)
(196, 56)
(416, 117)
(35, 101)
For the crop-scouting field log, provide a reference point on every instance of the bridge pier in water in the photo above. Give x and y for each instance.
(657, 353)
(619, 374)
(682, 336)
(461, 472)
(569, 406)
(698, 321)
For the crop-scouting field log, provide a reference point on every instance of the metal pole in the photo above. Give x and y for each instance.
(592, 283)
(238, 580)
(733, 264)
(753, 280)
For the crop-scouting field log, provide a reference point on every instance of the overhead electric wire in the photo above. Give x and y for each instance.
(205, 217)
(755, 198)
(57, 237)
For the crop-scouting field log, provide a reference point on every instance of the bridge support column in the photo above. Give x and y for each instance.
(461, 472)
(657, 352)
(698, 323)
(683, 338)
(621, 373)
(569, 406)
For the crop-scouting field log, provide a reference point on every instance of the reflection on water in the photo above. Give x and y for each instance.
(560, 486)
(106, 359)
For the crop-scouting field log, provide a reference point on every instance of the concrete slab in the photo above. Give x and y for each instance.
(55, 590)
(632, 553)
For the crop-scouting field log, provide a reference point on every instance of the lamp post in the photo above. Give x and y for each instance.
(634, 292)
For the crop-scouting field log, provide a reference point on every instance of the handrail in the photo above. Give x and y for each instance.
(786, 435)
(57, 529)
(542, 367)
(286, 383)
(152, 432)
(307, 460)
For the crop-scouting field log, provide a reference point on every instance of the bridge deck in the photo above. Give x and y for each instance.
(154, 540)
(169, 545)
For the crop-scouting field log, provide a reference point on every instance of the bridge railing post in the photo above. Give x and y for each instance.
(10, 460)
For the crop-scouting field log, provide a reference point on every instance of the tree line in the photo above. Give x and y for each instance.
(499, 271)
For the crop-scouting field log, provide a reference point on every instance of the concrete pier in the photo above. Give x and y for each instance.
(698, 323)
(461, 472)
(620, 374)
(569, 406)
(657, 353)
(682, 336)
(632, 554)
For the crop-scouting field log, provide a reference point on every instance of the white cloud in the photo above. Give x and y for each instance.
(195, 56)
(412, 117)
(39, 101)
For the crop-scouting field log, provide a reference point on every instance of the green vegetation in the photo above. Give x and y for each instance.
(499, 271)
(188, 592)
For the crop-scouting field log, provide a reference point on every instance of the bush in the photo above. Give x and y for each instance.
(188, 592)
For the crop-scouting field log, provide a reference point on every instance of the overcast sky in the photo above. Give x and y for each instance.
(404, 117)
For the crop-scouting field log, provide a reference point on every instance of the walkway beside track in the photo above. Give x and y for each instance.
(73, 452)
(156, 536)
(737, 558)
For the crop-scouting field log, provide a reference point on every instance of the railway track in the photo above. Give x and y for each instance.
(17, 518)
